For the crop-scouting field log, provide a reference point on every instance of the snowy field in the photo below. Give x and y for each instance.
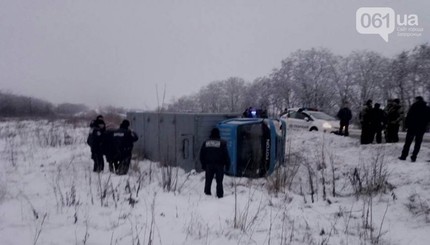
(332, 191)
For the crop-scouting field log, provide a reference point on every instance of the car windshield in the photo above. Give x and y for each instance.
(321, 115)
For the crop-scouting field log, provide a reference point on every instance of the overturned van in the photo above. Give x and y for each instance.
(255, 145)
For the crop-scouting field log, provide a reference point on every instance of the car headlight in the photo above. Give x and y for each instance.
(327, 125)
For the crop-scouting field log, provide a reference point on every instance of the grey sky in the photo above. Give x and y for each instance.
(115, 52)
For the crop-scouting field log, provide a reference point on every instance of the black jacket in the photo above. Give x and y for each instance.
(394, 114)
(344, 114)
(418, 117)
(378, 118)
(214, 154)
(96, 139)
(119, 144)
(123, 139)
(366, 116)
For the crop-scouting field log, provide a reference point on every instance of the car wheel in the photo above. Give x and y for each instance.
(313, 129)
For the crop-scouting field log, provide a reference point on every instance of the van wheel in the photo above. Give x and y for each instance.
(313, 129)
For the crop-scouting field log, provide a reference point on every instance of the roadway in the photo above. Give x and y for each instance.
(355, 133)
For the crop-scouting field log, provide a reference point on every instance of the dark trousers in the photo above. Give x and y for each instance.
(119, 162)
(342, 126)
(392, 133)
(378, 134)
(366, 134)
(219, 175)
(410, 135)
(123, 165)
(99, 162)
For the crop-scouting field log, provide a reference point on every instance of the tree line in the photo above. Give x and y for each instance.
(12, 105)
(317, 78)
(20, 106)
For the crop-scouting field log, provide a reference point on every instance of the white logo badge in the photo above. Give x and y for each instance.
(383, 21)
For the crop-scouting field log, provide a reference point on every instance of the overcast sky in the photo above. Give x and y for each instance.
(116, 52)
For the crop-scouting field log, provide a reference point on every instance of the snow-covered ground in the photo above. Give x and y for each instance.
(49, 195)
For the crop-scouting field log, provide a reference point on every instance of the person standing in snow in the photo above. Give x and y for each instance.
(378, 123)
(121, 141)
(344, 116)
(96, 140)
(366, 123)
(214, 159)
(394, 114)
(416, 123)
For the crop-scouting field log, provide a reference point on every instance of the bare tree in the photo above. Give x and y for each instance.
(370, 71)
(209, 97)
(311, 76)
(400, 75)
(318, 78)
(234, 91)
(259, 93)
(12, 105)
(344, 80)
(420, 71)
(281, 81)
(185, 104)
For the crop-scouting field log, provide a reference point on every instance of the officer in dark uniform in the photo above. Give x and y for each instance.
(394, 118)
(122, 145)
(344, 116)
(110, 150)
(366, 123)
(378, 123)
(416, 122)
(214, 159)
(96, 140)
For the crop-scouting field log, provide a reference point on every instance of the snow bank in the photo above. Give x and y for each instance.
(331, 191)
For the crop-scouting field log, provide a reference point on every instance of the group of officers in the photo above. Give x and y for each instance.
(115, 144)
(374, 120)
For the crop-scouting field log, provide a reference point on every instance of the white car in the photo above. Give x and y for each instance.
(311, 120)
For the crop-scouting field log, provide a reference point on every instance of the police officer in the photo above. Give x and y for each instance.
(366, 123)
(344, 116)
(122, 140)
(96, 140)
(110, 150)
(416, 122)
(378, 123)
(394, 117)
(214, 159)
